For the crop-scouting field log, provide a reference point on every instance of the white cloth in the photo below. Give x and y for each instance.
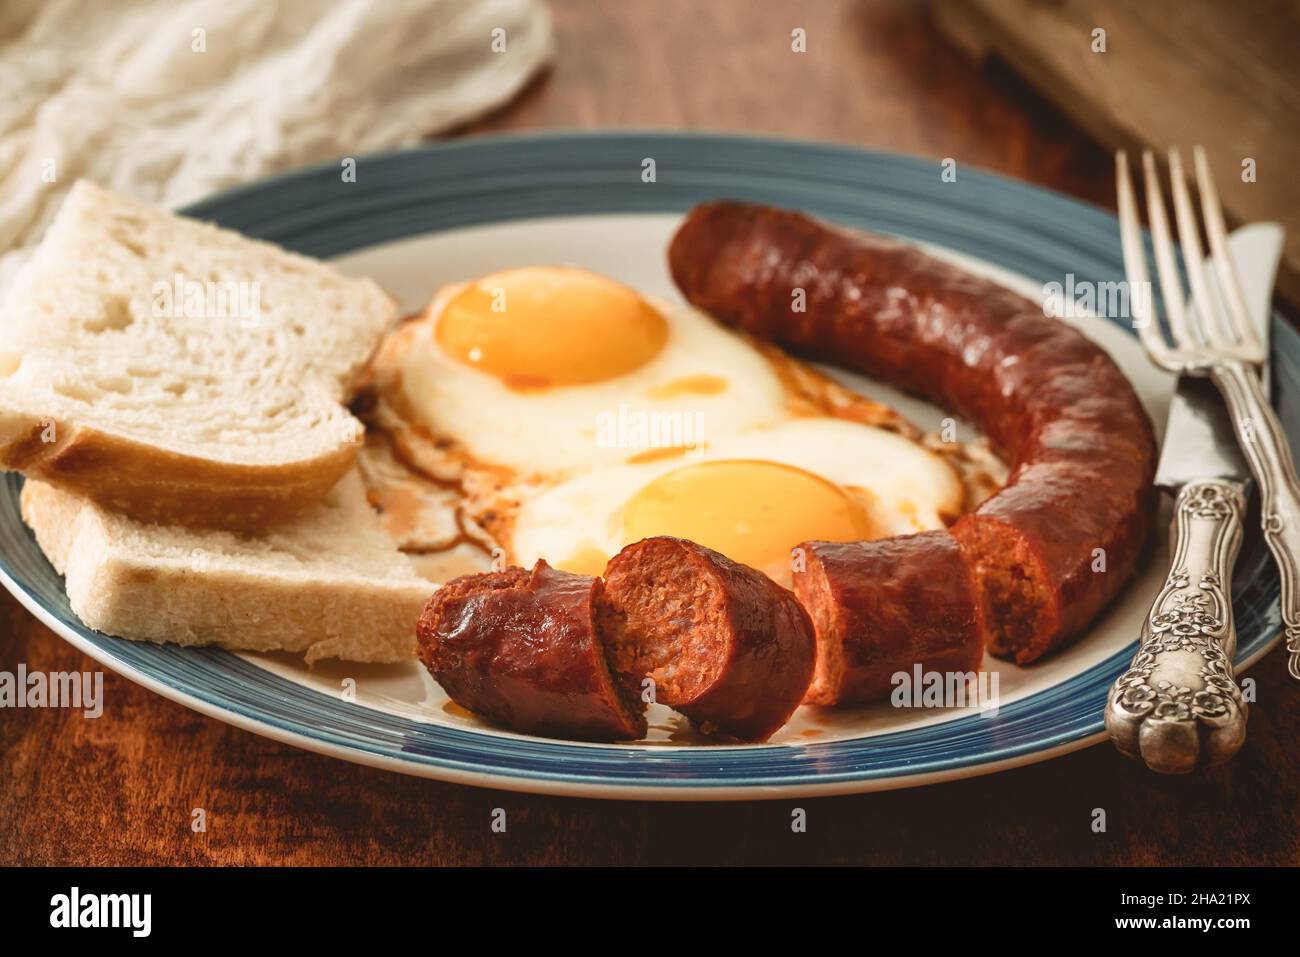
(122, 94)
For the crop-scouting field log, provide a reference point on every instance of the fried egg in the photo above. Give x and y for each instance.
(533, 370)
(752, 496)
(576, 416)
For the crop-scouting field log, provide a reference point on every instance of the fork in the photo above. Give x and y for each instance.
(1216, 341)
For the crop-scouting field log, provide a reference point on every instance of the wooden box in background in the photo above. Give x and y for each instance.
(1221, 73)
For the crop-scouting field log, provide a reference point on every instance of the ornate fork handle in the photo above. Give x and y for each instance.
(1178, 706)
(1261, 438)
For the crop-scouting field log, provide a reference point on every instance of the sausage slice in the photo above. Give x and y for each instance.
(724, 644)
(523, 649)
(882, 607)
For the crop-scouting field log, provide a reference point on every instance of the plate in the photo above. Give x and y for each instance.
(415, 219)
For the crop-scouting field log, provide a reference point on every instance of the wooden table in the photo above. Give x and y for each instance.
(121, 789)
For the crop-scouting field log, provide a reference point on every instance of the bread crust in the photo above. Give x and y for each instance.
(156, 485)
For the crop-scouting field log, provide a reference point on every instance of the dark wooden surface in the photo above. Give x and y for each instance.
(120, 789)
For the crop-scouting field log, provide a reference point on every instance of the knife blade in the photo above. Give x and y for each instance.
(1256, 252)
(1199, 441)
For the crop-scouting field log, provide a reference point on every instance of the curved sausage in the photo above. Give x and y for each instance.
(887, 606)
(725, 645)
(522, 649)
(1060, 540)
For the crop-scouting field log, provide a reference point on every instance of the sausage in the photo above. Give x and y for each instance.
(1062, 537)
(522, 649)
(552, 653)
(886, 606)
(724, 644)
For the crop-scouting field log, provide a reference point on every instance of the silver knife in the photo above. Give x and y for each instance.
(1179, 705)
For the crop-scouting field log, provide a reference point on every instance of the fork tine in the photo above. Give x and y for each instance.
(1171, 287)
(1204, 329)
(1141, 303)
(1229, 283)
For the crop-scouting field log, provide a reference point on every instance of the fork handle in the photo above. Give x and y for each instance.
(1179, 706)
(1266, 448)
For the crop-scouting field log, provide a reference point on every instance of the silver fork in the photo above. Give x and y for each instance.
(1219, 342)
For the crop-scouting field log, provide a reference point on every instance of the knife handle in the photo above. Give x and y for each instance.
(1261, 438)
(1179, 706)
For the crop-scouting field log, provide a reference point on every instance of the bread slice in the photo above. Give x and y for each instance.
(179, 372)
(330, 584)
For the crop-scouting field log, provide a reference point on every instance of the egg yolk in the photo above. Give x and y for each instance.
(540, 327)
(752, 511)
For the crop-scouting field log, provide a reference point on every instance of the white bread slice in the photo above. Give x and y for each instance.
(220, 406)
(330, 584)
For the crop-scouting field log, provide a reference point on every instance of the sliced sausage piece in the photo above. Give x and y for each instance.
(1065, 534)
(521, 648)
(724, 644)
(882, 607)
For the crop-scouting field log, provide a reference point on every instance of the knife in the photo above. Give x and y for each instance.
(1179, 706)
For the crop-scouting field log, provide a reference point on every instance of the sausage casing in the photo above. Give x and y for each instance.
(522, 649)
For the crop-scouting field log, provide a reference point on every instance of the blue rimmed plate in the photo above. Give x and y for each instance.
(418, 218)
